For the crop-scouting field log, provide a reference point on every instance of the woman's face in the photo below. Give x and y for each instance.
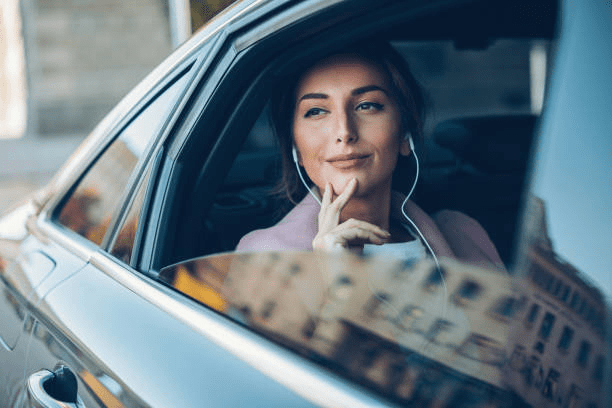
(347, 125)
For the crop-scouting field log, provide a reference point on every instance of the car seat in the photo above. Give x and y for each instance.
(486, 174)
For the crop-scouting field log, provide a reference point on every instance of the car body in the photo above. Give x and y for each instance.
(120, 287)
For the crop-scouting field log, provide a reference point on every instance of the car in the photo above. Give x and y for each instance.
(121, 286)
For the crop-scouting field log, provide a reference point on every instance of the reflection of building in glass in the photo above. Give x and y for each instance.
(434, 356)
(415, 333)
(458, 336)
(90, 208)
(558, 341)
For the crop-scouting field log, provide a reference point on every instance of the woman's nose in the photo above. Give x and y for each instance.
(346, 131)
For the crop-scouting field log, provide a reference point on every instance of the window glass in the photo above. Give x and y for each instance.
(90, 208)
(533, 314)
(124, 243)
(566, 338)
(547, 325)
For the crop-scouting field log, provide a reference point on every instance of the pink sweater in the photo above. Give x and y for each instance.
(450, 233)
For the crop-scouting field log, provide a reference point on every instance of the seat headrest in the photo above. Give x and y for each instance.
(493, 144)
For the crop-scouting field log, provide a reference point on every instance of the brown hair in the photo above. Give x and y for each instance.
(405, 91)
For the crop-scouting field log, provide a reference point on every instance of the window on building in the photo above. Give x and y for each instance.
(550, 390)
(534, 310)
(434, 279)
(469, 290)
(547, 325)
(565, 292)
(566, 339)
(505, 308)
(583, 353)
(575, 301)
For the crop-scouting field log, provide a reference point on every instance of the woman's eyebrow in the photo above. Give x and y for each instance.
(368, 88)
(313, 96)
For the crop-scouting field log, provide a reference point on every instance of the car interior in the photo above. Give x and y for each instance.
(482, 68)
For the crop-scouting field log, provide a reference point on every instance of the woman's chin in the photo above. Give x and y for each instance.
(339, 184)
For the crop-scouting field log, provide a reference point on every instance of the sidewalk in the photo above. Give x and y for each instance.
(29, 163)
(15, 189)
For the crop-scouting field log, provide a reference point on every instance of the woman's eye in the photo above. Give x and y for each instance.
(313, 112)
(370, 106)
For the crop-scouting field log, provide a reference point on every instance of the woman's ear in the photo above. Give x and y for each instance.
(406, 146)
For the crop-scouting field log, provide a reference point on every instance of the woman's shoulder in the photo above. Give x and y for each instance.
(467, 238)
(295, 231)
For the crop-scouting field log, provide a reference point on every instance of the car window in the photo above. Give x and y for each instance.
(410, 332)
(124, 242)
(89, 209)
(473, 159)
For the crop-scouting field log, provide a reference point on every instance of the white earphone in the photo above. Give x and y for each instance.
(297, 165)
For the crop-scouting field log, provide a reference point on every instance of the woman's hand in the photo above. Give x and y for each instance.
(333, 236)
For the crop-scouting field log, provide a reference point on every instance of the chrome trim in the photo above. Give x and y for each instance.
(301, 376)
(218, 24)
(283, 19)
(76, 245)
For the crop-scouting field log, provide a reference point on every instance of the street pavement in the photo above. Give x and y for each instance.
(15, 189)
(28, 163)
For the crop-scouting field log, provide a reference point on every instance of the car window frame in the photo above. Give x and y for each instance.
(236, 58)
(49, 216)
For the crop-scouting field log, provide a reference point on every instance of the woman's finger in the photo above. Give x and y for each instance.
(355, 231)
(327, 195)
(345, 196)
(329, 214)
(355, 223)
(362, 235)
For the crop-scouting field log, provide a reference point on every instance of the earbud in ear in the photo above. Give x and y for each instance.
(294, 153)
(411, 142)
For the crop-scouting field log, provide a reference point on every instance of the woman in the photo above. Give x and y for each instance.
(345, 122)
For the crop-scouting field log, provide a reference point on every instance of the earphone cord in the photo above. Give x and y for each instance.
(429, 248)
(306, 185)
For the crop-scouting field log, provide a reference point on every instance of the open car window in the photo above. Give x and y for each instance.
(482, 105)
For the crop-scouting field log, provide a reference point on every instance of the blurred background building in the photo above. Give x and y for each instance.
(65, 63)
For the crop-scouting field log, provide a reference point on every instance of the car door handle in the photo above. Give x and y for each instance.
(57, 389)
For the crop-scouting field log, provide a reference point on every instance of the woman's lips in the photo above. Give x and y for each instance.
(348, 161)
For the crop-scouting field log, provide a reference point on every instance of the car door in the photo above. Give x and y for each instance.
(82, 223)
